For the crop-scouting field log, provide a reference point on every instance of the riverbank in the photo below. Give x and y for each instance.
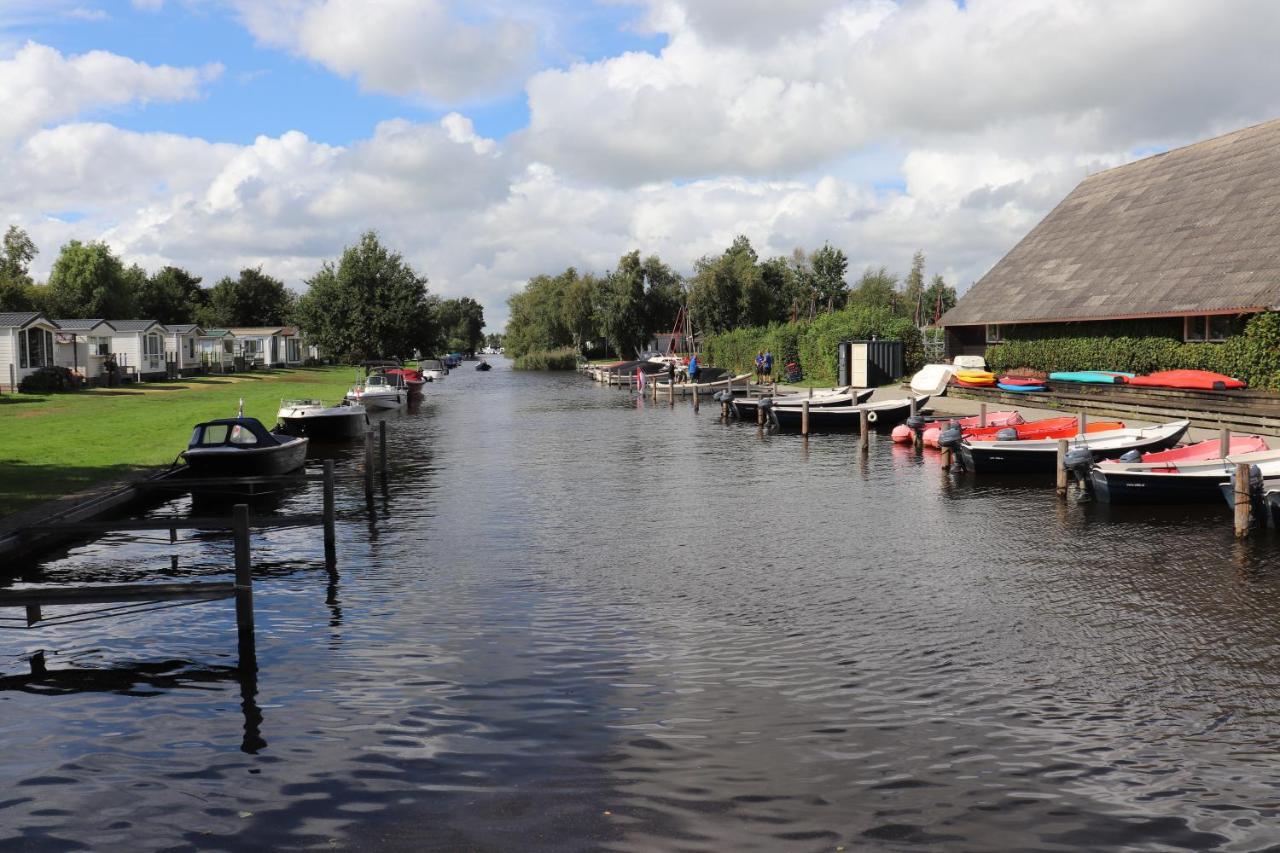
(60, 444)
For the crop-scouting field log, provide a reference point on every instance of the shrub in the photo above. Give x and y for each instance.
(1253, 355)
(553, 359)
(49, 379)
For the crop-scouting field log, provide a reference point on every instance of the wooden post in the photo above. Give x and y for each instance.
(671, 393)
(655, 390)
(330, 539)
(382, 447)
(1084, 422)
(1062, 468)
(759, 415)
(368, 464)
(244, 572)
(982, 414)
(33, 614)
(1243, 503)
(173, 535)
(864, 431)
(804, 418)
(1224, 443)
(810, 392)
(697, 397)
(946, 459)
(917, 433)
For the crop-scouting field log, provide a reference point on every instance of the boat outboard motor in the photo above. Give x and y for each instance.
(722, 396)
(1131, 456)
(950, 436)
(1007, 434)
(1079, 462)
(916, 423)
(765, 403)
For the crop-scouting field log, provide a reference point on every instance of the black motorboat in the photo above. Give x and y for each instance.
(242, 447)
(881, 416)
(484, 365)
(314, 419)
(746, 408)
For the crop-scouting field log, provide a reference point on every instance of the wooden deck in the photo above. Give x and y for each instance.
(1240, 411)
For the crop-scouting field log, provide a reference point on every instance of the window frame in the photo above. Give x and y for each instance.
(994, 333)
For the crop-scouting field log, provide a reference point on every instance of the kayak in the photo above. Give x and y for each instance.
(1009, 379)
(1063, 427)
(1195, 380)
(1094, 377)
(1019, 387)
(975, 378)
(967, 425)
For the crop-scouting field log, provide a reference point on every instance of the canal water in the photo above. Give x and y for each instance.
(575, 620)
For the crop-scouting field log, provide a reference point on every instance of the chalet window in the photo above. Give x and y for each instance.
(995, 334)
(35, 348)
(22, 348)
(252, 346)
(152, 345)
(191, 347)
(99, 346)
(229, 347)
(1215, 328)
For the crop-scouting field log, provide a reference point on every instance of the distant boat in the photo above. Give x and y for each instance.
(746, 408)
(484, 365)
(242, 447)
(883, 415)
(378, 392)
(433, 369)
(315, 419)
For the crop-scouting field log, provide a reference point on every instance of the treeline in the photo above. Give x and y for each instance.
(735, 289)
(368, 304)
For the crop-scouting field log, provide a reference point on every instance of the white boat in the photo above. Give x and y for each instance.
(377, 392)
(432, 369)
(315, 419)
(932, 379)
(686, 388)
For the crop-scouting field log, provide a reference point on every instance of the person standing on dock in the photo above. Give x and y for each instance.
(693, 367)
(768, 364)
(759, 367)
(671, 372)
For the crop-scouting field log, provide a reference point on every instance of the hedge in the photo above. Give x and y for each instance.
(812, 343)
(1253, 355)
(547, 359)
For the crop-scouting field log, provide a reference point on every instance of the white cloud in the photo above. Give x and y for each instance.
(418, 48)
(39, 85)
(84, 13)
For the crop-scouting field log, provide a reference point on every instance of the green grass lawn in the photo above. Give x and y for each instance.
(54, 444)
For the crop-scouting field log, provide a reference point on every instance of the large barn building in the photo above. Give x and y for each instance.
(1186, 242)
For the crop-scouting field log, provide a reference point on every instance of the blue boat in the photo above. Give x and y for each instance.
(1091, 377)
(1020, 388)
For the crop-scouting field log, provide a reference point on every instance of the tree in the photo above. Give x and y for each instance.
(462, 324)
(829, 266)
(371, 304)
(727, 291)
(939, 298)
(877, 288)
(664, 295)
(172, 295)
(15, 281)
(537, 318)
(88, 280)
(252, 299)
(624, 319)
(913, 293)
(581, 301)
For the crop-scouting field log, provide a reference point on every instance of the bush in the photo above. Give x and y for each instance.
(50, 379)
(1253, 355)
(813, 344)
(553, 359)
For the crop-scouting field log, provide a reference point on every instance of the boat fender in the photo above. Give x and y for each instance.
(1132, 456)
(1007, 434)
(873, 416)
(951, 436)
(1078, 461)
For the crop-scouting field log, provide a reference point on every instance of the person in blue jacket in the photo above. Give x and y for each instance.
(768, 364)
(693, 367)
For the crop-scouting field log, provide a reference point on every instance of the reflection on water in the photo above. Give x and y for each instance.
(575, 619)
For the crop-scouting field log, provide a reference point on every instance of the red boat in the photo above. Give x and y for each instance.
(1020, 380)
(994, 419)
(1207, 451)
(1196, 380)
(1045, 428)
(412, 378)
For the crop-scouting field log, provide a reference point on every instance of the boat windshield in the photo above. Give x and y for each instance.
(430, 364)
(240, 435)
(212, 434)
(376, 381)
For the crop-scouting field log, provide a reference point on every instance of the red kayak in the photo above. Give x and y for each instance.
(994, 419)
(1196, 380)
(1046, 428)
(1207, 451)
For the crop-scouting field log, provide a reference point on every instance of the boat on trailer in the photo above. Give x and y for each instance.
(881, 416)
(242, 447)
(746, 408)
(318, 420)
(1034, 456)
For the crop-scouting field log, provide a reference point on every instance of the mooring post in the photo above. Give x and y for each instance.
(655, 390)
(982, 414)
(1243, 504)
(368, 464)
(1084, 422)
(244, 572)
(697, 397)
(804, 418)
(1062, 468)
(810, 392)
(917, 429)
(173, 535)
(759, 415)
(945, 457)
(864, 431)
(1224, 442)
(382, 447)
(33, 614)
(671, 392)
(330, 539)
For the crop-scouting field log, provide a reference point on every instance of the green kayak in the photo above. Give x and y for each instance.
(1096, 377)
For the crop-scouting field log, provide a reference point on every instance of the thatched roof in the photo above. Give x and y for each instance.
(1191, 231)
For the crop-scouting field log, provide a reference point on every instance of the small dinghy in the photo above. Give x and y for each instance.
(1062, 427)
(1041, 455)
(932, 379)
(1191, 474)
(378, 392)
(707, 388)
(484, 365)
(315, 419)
(242, 447)
(882, 416)
(995, 420)
(746, 408)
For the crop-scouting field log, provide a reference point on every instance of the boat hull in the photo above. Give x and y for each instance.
(1000, 457)
(880, 418)
(327, 427)
(247, 462)
(746, 408)
(1122, 487)
(380, 401)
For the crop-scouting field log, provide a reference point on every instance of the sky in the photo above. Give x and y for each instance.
(490, 141)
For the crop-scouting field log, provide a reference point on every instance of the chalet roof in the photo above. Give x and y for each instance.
(216, 333)
(22, 319)
(1195, 230)
(135, 325)
(81, 325)
(261, 330)
(183, 328)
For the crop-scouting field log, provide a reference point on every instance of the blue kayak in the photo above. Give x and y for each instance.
(1004, 387)
(1094, 377)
